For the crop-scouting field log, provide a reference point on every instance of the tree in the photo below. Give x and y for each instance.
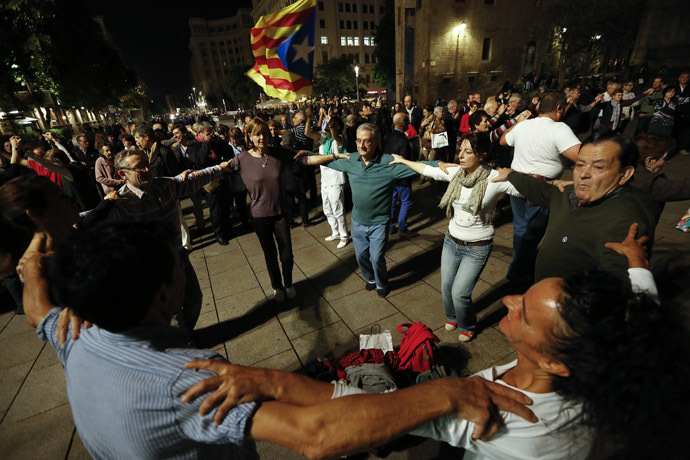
(335, 78)
(241, 90)
(587, 28)
(384, 72)
(56, 45)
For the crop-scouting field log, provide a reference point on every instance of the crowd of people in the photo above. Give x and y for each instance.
(599, 352)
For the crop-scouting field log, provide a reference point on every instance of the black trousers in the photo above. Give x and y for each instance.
(219, 205)
(266, 229)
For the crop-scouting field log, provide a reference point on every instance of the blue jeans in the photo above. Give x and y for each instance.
(461, 266)
(405, 194)
(529, 226)
(370, 249)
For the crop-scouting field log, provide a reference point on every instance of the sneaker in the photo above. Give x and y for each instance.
(383, 292)
(684, 152)
(279, 295)
(331, 238)
(290, 292)
(370, 286)
(465, 336)
(451, 326)
(342, 244)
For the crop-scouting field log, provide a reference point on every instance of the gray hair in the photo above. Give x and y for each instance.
(122, 157)
(299, 117)
(372, 128)
(201, 126)
(288, 139)
(515, 97)
(452, 103)
(438, 109)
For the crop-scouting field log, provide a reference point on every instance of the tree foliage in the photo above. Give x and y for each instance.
(587, 28)
(241, 90)
(384, 72)
(56, 45)
(335, 78)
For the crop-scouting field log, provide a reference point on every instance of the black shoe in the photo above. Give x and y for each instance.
(370, 286)
(222, 240)
(394, 230)
(383, 292)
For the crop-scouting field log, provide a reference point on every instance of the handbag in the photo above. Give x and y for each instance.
(684, 223)
(381, 340)
(439, 140)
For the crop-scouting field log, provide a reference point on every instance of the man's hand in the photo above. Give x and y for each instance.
(15, 141)
(66, 318)
(342, 156)
(633, 249)
(234, 385)
(300, 154)
(443, 166)
(502, 175)
(561, 184)
(649, 91)
(40, 245)
(523, 116)
(183, 175)
(112, 196)
(479, 400)
(503, 108)
(510, 111)
(397, 159)
(599, 98)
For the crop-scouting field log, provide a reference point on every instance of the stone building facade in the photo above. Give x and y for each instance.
(450, 48)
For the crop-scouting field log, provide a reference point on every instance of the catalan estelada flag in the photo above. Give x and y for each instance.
(283, 46)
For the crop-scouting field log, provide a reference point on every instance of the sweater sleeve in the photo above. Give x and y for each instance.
(533, 189)
(665, 189)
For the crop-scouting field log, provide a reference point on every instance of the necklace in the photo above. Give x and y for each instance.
(264, 160)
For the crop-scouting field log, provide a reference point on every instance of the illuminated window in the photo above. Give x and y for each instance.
(350, 41)
(356, 41)
(324, 40)
(342, 41)
(367, 42)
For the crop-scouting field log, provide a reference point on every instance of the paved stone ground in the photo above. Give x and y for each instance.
(240, 321)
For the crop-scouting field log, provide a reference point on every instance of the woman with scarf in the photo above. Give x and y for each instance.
(611, 119)
(664, 116)
(469, 201)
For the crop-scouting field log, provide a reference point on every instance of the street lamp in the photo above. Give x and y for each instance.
(460, 28)
(357, 80)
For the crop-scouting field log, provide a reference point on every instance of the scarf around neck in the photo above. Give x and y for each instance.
(477, 181)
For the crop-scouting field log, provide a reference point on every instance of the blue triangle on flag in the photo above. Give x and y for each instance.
(297, 51)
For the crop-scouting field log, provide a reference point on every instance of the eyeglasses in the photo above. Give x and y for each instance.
(364, 141)
(137, 169)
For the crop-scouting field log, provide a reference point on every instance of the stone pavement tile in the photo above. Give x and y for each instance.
(43, 436)
(390, 323)
(77, 451)
(220, 349)
(347, 257)
(362, 308)
(232, 282)
(505, 231)
(19, 348)
(268, 450)
(204, 280)
(17, 325)
(207, 319)
(256, 344)
(223, 262)
(307, 314)
(285, 361)
(405, 251)
(251, 246)
(485, 350)
(46, 358)
(5, 318)
(433, 279)
(216, 249)
(301, 239)
(495, 271)
(337, 339)
(44, 389)
(207, 303)
(257, 262)
(421, 303)
(429, 238)
(237, 306)
(502, 246)
(11, 380)
(298, 281)
(313, 258)
(337, 281)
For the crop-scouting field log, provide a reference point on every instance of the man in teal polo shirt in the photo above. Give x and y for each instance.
(372, 180)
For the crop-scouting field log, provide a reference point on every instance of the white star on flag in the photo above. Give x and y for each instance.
(302, 50)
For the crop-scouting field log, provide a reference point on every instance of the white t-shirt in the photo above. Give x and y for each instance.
(464, 226)
(538, 144)
(330, 176)
(518, 439)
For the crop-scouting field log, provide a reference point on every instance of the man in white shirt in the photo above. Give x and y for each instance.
(539, 144)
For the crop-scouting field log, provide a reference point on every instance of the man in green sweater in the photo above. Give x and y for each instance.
(595, 209)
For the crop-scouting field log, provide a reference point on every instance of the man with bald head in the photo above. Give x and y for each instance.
(398, 143)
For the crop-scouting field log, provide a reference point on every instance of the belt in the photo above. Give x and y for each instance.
(541, 178)
(471, 243)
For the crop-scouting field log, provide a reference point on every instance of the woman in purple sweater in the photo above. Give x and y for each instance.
(261, 169)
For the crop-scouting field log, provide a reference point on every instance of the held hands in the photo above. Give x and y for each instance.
(397, 159)
(345, 156)
(183, 175)
(633, 249)
(443, 166)
(234, 385)
(479, 401)
(502, 175)
(649, 91)
(299, 154)
(561, 184)
(599, 98)
(113, 196)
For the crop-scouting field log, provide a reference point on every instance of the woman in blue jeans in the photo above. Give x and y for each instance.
(469, 201)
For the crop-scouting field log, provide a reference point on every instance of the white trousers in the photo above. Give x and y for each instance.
(334, 209)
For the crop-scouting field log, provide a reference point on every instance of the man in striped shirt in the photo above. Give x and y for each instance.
(126, 374)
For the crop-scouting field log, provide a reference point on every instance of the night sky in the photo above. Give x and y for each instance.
(153, 36)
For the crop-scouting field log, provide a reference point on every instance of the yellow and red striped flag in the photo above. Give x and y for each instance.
(283, 46)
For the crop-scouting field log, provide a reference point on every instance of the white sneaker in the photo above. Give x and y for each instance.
(290, 292)
(331, 238)
(279, 295)
(342, 244)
